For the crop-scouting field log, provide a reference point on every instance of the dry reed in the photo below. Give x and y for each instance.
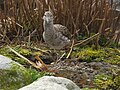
(22, 19)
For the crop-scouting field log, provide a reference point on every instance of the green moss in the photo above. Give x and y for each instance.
(14, 78)
(35, 74)
(117, 82)
(25, 52)
(5, 51)
(90, 89)
(113, 60)
(108, 55)
(88, 55)
(113, 56)
(105, 82)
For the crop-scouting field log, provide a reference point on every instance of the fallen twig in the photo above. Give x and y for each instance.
(88, 39)
(38, 49)
(60, 57)
(43, 65)
(32, 63)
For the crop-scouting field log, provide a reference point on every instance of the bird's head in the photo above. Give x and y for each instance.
(48, 17)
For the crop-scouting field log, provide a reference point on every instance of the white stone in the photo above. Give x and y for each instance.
(52, 83)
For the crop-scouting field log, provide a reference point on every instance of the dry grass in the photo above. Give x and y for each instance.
(21, 20)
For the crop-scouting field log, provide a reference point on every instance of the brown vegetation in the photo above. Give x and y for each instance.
(21, 20)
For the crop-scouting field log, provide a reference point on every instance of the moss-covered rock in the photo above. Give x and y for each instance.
(14, 75)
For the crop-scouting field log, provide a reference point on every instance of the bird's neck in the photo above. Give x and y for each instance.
(48, 26)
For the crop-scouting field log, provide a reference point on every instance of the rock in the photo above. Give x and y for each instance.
(83, 73)
(12, 74)
(52, 83)
(6, 63)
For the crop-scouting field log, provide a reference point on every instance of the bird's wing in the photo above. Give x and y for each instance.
(63, 30)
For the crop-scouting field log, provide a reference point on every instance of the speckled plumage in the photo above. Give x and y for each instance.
(55, 35)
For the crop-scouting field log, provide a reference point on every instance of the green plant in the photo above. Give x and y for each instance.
(103, 81)
(88, 55)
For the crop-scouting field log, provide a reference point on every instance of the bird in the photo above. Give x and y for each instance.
(56, 36)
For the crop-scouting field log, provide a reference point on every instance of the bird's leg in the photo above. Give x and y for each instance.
(56, 54)
(60, 57)
(71, 48)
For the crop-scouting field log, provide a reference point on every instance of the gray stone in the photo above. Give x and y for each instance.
(52, 83)
(12, 74)
(6, 63)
